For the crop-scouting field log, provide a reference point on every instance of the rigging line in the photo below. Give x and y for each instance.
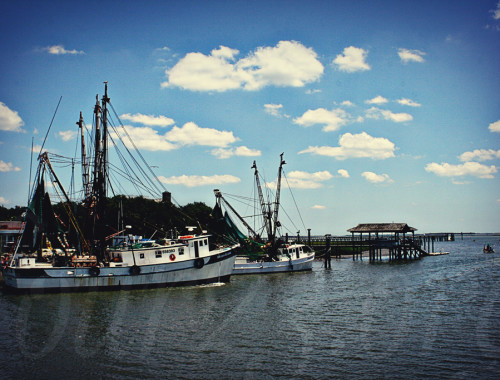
(127, 169)
(138, 166)
(134, 179)
(140, 155)
(135, 183)
(31, 167)
(298, 211)
(237, 197)
(55, 112)
(137, 150)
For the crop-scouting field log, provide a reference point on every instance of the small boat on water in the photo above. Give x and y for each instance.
(288, 258)
(259, 255)
(81, 253)
(488, 249)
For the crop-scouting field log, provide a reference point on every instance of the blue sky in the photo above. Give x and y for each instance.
(387, 111)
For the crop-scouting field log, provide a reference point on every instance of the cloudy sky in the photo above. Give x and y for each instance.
(386, 111)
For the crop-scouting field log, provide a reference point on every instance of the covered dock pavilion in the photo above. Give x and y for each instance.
(393, 237)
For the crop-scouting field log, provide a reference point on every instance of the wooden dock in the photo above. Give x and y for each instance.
(393, 241)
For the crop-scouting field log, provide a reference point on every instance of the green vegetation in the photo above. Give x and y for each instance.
(15, 213)
(145, 216)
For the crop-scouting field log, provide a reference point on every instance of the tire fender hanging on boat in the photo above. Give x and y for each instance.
(94, 271)
(199, 263)
(135, 270)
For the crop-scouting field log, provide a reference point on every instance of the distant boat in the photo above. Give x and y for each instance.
(52, 255)
(260, 255)
(488, 249)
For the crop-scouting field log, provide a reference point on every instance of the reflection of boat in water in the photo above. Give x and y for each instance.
(273, 254)
(76, 253)
(488, 249)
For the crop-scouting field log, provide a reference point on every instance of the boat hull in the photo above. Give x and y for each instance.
(216, 268)
(295, 265)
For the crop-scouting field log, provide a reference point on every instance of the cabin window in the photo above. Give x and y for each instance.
(201, 243)
(298, 253)
(141, 255)
(158, 254)
(181, 251)
(206, 241)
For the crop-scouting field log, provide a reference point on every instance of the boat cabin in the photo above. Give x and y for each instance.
(149, 252)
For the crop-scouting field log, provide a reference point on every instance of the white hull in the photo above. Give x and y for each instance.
(217, 267)
(244, 266)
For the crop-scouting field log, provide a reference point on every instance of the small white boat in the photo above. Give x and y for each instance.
(293, 258)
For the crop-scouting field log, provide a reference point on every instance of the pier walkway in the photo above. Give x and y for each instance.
(397, 241)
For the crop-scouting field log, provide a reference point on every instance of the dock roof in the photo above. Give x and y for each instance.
(382, 227)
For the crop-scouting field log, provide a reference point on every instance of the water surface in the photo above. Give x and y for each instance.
(435, 317)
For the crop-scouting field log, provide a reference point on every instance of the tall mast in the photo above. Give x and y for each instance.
(85, 164)
(97, 148)
(276, 223)
(266, 211)
(104, 163)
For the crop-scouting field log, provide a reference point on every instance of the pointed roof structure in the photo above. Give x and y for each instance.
(382, 228)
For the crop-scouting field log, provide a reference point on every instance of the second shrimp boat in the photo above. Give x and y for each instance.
(77, 253)
(258, 255)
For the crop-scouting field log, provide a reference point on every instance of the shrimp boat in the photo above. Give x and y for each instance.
(78, 252)
(258, 255)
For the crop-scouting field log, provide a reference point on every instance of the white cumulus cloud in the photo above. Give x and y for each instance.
(8, 167)
(191, 134)
(60, 50)
(67, 135)
(468, 168)
(241, 151)
(199, 180)
(274, 110)
(343, 173)
(377, 178)
(377, 113)
(377, 100)
(303, 180)
(318, 207)
(147, 138)
(360, 145)
(496, 12)
(150, 120)
(289, 63)
(332, 119)
(316, 176)
(10, 120)
(408, 55)
(480, 155)
(495, 127)
(352, 59)
(408, 102)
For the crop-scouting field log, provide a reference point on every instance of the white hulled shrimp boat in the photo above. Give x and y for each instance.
(51, 255)
(258, 255)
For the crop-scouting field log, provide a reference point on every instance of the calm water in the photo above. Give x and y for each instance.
(437, 317)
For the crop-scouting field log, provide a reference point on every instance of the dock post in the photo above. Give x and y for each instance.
(352, 245)
(328, 261)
